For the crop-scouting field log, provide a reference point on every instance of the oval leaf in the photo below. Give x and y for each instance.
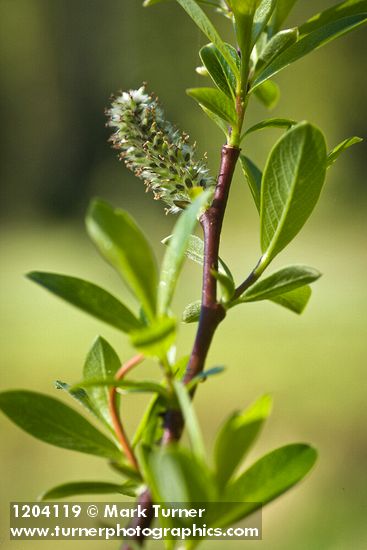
(191, 313)
(338, 11)
(125, 247)
(253, 177)
(195, 253)
(309, 43)
(262, 16)
(226, 283)
(203, 22)
(88, 488)
(88, 297)
(176, 475)
(156, 339)
(236, 437)
(216, 102)
(53, 422)
(339, 149)
(295, 300)
(101, 362)
(78, 394)
(276, 45)
(191, 421)
(150, 428)
(203, 376)
(272, 475)
(291, 186)
(280, 282)
(175, 254)
(217, 120)
(244, 6)
(283, 9)
(271, 123)
(218, 69)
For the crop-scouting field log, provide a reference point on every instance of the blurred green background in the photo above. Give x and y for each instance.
(59, 62)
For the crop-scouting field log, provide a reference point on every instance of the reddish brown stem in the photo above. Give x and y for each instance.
(116, 420)
(212, 313)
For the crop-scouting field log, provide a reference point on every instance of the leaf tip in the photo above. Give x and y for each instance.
(32, 275)
(267, 402)
(260, 409)
(96, 205)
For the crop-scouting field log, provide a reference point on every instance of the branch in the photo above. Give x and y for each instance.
(212, 313)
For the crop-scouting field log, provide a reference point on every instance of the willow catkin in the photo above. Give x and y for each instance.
(155, 150)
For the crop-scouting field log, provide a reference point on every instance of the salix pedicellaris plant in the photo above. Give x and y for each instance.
(285, 194)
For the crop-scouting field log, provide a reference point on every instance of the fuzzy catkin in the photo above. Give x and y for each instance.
(155, 150)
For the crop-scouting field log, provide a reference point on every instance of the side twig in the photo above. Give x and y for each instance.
(116, 420)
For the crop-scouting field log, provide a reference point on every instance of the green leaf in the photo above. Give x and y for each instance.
(195, 253)
(336, 12)
(191, 421)
(244, 14)
(309, 43)
(125, 247)
(123, 468)
(280, 282)
(156, 339)
(218, 121)
(237, 436)
(268, 93)
(179, 368)
(176, 475)
(218, 69)
(271, 123)
(175, 254)
(253, 177)
(150, 428)
(78, 394)
(191, 313)
(272, 475)
(226, 283)
(283, 9)
(215, 101)
(202, 21)
(89, 488)
(244, 6)
(148, 3)
(101, 362)
(51, 421)
(276, 45)
(88, 297)
(339, 149)
(202, 376)
(291, 186)
(295, 300)
(194, 250)
(262, 16)
(131, 386)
